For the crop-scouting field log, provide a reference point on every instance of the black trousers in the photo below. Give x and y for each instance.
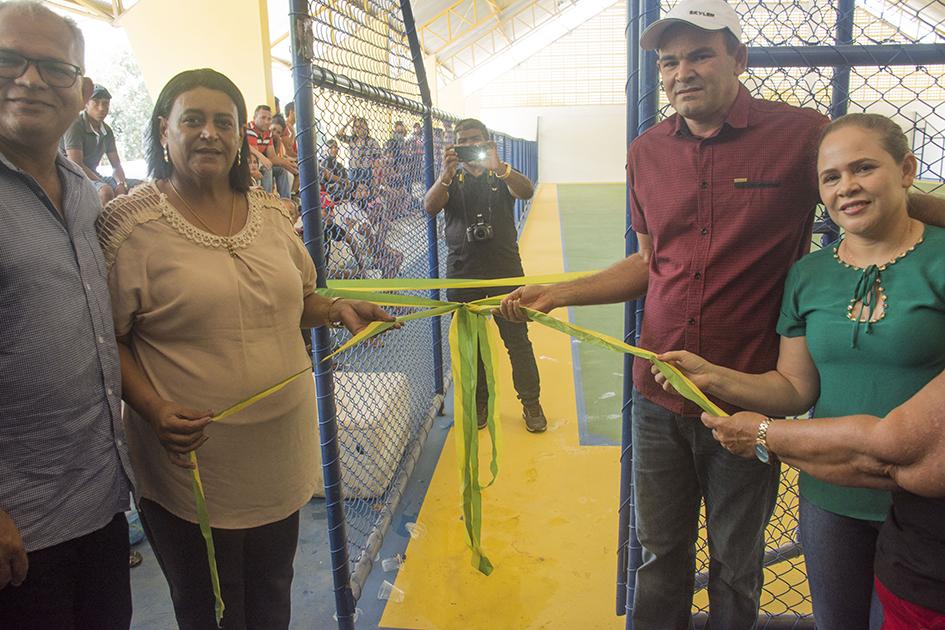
(515, 337)
(80, 584)
(255, 567)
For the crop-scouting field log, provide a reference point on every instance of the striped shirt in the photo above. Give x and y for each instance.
(64, 468)
(258, 139)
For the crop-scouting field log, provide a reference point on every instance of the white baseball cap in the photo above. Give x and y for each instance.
(710, 15)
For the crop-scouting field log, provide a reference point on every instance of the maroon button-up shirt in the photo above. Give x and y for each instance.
(728, 216)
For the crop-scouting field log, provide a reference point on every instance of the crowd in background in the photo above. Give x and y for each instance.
(361, 199)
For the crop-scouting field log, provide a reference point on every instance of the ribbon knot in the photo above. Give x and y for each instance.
(866, 295)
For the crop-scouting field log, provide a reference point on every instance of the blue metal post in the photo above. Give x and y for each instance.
(314, 241)
(647, 104)
(632, 87)
(429, 172)
(840, 96)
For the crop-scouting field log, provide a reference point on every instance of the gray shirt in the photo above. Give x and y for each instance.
(80, 135)
(64, 468)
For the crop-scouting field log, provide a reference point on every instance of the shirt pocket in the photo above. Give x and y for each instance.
(752, 201)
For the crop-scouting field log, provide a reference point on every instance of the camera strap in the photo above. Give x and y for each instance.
(493, 189)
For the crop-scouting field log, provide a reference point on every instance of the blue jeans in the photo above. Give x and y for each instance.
(676, 462)
(838, 552)
(282, 178)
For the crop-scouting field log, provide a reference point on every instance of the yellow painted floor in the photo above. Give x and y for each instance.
(549, 521)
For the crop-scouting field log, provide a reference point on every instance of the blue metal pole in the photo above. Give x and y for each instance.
(300, 24)
(840, 96)
(846, 55)
(647, 110)
(649, 77)
(429, 172)
(625, 507)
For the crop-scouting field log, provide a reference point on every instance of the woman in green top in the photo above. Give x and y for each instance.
(862, 330)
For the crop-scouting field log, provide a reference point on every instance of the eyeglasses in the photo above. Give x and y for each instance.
(57, 74)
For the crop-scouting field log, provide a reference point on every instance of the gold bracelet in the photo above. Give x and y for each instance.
(508, 171)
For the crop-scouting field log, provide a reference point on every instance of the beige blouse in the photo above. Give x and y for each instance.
(213, 320)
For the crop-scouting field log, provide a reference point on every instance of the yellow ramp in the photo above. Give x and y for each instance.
(549, 522)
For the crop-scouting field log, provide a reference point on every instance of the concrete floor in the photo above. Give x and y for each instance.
(313, 604)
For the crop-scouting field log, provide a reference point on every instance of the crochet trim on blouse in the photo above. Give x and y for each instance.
(148, 203)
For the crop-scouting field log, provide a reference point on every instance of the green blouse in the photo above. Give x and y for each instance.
(867, 367)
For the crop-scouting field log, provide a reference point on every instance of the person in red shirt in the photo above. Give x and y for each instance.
(274, 167)
(722, 197)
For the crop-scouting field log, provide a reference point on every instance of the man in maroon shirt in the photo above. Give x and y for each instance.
(722, 200)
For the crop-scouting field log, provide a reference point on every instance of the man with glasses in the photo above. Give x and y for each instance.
(64, 480)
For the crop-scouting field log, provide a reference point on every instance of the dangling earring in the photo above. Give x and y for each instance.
(239, 158)
(167, 155)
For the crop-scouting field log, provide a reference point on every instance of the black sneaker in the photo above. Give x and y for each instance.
(482, 414)
(534, 417)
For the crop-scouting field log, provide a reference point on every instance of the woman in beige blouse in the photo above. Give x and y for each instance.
(209, 288)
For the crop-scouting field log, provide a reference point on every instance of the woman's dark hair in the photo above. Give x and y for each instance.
(160, 168)
(894, 141)
(279, 119)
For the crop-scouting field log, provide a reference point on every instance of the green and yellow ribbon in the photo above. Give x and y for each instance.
(469, 337)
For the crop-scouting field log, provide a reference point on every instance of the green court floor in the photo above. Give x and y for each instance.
(593, 221)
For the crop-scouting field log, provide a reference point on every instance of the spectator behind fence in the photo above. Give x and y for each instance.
(89, 138)
(64, 481)
(288, 134)
(886, 277)
(722, 195)
(449, 134)
(274, 167)
(337, 260)
(371, 217)
(335, 175)
(439, 144)
(398, 166)
(277, 126)
(363, 150)
(278, 142)
(210, 286)
(478, 198)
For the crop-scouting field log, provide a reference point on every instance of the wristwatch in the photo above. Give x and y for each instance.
(761, 442)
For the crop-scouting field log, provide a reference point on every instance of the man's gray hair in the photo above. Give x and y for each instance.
(36, 9)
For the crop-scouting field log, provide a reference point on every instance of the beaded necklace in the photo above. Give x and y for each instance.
(869, 293)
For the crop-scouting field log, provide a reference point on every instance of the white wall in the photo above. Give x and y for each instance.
(576, 144)
(585, 144)
(580, 144)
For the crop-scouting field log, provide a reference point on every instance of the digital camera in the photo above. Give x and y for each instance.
(481, 230)
(470, 153)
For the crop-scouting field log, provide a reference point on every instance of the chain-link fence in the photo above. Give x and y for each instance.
(369, 146)
(883, 56)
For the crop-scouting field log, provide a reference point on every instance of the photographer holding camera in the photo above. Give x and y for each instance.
(478, 193)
